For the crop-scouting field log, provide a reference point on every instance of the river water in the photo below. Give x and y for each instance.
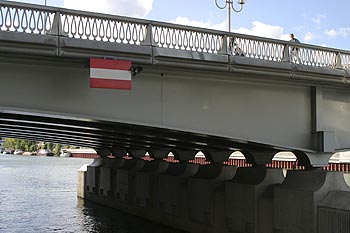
(39, 194)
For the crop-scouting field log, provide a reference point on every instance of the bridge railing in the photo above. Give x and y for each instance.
(34, 19)
(19, 17)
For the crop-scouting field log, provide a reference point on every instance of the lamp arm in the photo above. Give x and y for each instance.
(240, 9)
(221, 7)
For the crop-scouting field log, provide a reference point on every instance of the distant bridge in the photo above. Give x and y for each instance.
(193, 94)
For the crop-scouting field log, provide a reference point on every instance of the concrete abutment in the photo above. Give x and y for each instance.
(218, 198)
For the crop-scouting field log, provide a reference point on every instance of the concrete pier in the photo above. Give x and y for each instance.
(201, 193)
(125, 177)
(146, 183)
(107, 177)
(93, 176)
(173, 199)
(245, 208)
(217, 198)
(298, 197)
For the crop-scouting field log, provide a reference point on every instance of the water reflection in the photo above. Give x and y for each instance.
(39, 194)
(99, 219)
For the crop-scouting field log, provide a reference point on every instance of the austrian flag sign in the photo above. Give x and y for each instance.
(111, 74)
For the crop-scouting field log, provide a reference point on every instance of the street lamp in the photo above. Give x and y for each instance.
(229, 4)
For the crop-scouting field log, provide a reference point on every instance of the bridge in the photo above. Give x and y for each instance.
(192, 95)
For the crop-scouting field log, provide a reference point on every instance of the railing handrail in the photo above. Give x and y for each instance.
(209, 46)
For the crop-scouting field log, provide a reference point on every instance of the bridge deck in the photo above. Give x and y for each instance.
(193, 94)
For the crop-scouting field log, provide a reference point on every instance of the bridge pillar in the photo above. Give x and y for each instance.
(107, 177)
(245, 209)
(82, 186)
(125, 176)
(146, 179)
(297, 199)
(172, 198)
(206, 196)
(93, 176)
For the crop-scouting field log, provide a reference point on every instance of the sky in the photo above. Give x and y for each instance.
(317, 22)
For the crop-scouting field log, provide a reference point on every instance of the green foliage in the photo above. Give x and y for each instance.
(49, 145)
(10, 143)
(31, 146)
(57, 149)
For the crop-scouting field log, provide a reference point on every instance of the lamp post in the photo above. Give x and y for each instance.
(230, 5)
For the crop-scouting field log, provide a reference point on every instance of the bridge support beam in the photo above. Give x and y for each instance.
(146, 183)
(215, 156)
(184, 155)
(172, 198)
(93, 176)
(119, 152)
(312, 160)
(205, 192)
(248, 206)
(158, 154)
(297, 199)
(257, 157)
(213, 198)
(107, 177)
(103, 152)
(125, 176)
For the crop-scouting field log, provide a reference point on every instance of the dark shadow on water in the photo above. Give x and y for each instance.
(101, 219)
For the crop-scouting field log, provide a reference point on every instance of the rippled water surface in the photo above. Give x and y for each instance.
(38, 194)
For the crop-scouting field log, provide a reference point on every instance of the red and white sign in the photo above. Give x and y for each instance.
(112, 74)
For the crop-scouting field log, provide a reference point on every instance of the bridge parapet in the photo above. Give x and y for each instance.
(35, 19)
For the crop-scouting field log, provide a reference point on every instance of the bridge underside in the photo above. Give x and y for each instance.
(114, 136)
(172, 109)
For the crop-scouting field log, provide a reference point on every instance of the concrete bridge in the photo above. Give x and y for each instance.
(193, 95)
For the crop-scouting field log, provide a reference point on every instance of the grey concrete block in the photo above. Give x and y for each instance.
(107, 177)
(201, 191)
(125, 180)
(297, 199)
(244, 203)
(92, 176)
(147, 182)
(334, 213)
(172, 188)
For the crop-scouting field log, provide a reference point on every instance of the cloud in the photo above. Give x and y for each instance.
(186, 21)
(264, 30)
(258, 28)
(343, 32)
(138, 8)
(309, 36)
(331, 33)
(317, 20)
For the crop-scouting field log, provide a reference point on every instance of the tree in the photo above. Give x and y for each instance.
(57, 149)
(10, 143)
(49, 146)
(31, 146)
